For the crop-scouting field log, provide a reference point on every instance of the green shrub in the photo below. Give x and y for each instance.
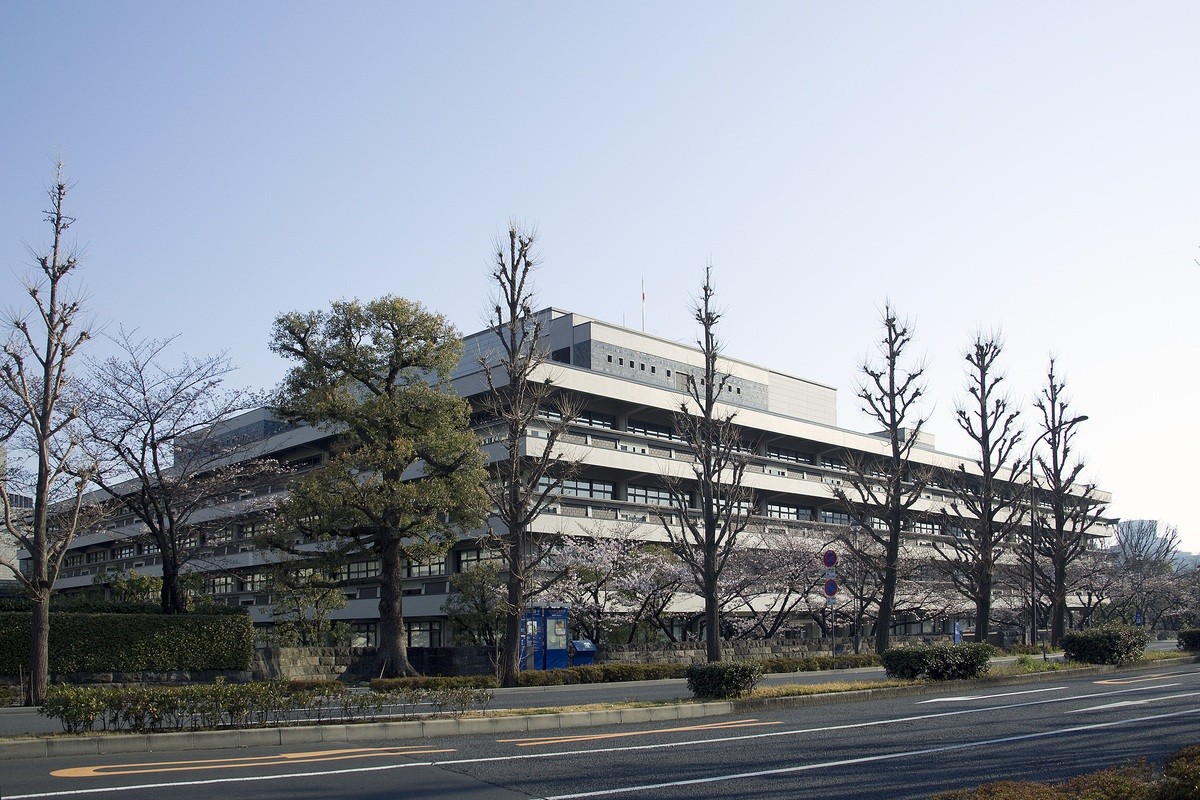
(1181, 777)
(1189, 639)
(1004, 790)
(1131, 782)
(435, 682)
(723, 679)
(938, 662)
(1108, 644)
(905, 663)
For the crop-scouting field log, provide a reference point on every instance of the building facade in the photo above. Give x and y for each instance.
(630, 385)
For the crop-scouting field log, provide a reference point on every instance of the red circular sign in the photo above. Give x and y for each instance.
(829, 559)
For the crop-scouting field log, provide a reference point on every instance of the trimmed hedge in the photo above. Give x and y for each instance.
(938, 662)
(433, 682)
(815, 663)
(602, 673)
(1108, 644)
(722, 680)
(1189, 639)
(88, 605)
(131, 642)
(222, 705)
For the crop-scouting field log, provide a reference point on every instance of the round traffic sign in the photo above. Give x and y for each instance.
(831, 588)
(829, 559)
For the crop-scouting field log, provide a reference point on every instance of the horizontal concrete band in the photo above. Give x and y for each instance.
(353, 732)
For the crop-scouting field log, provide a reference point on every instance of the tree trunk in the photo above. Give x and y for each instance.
(983, 608)
(887, 601)
(712, 619)
(39, 651)
(171, 595)
(510, 653)
(1058, 607)
(393, 646)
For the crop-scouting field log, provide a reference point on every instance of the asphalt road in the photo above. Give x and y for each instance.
(898, 748)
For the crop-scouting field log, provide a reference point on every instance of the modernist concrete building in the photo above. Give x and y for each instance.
(631, 383)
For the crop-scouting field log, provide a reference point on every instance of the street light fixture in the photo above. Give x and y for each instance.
(1033, 526)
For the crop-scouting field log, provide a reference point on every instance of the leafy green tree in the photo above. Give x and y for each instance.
(475, 612)
(406, 472)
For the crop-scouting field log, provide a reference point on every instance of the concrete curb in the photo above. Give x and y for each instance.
(49, 747)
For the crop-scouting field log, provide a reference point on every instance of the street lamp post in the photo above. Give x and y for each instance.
(1033, 528)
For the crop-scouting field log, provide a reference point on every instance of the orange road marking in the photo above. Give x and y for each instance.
(243, 761)
(589, 737)
(1143, 679)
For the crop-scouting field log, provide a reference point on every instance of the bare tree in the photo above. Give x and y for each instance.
(1147, 563)
(705, 540)
(522, 400)
(38, 417)
(156, 432)
(987, 508)
(884, 488)
(1067, 507)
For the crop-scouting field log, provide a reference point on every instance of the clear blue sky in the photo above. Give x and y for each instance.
(1025, 166)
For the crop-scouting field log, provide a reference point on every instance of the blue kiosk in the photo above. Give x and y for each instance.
(544, 636)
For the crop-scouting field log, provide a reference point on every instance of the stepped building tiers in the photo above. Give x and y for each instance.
(630, 384)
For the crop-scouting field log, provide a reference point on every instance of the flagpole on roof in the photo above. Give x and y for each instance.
(643, 305)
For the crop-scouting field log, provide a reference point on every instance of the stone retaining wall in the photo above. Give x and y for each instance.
(756, 649)
(358, 664)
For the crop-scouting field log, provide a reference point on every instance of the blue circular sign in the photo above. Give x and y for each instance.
(831, 588)
(829, 559)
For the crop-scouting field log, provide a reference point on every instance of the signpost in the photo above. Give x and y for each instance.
(829, 559)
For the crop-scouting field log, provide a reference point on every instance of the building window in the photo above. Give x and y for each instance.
(148, 548)
(923, 528)
(595, 419)
(424, 633)
(124, 551)
(251, 529)
(221, 584)
(784, 454)
(96, 556)
(423, 569)
(788, 511)
(477, 556)
(585, 488)
(361, 570)
(835, 517)
(650, 429)
(254, 582)
(223, 536)
(648, 495)
(833, 463)
(366, 634)
(75, 560)
(610, 359)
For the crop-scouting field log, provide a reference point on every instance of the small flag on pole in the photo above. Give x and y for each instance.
(643, 305)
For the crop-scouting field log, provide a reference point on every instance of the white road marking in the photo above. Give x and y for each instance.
(863, 760)
(969, 697)
(1141, 702)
